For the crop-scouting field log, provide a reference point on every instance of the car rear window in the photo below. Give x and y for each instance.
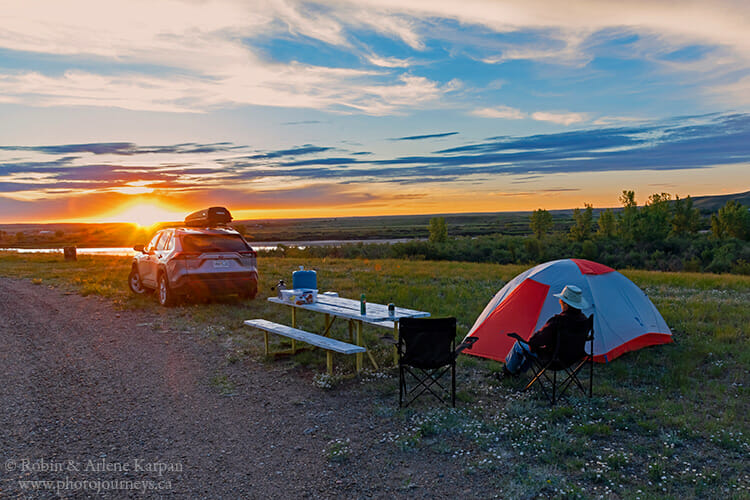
(213, 243)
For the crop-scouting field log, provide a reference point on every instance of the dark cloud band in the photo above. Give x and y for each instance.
(681, 143)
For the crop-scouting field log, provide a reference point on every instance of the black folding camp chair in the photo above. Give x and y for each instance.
(545, 370)
(427, 352)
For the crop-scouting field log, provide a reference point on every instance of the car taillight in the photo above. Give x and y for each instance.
(249, 253)
(186, 255)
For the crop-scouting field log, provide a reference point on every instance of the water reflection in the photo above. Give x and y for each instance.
(80, 251)
(114, 251)
(259, 246)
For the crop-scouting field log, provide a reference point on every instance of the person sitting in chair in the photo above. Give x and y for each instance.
(570, 322)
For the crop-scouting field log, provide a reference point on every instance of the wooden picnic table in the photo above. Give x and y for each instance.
(333, 306)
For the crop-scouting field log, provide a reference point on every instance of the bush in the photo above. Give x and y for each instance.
(674, 253)
(693, 265)
(741, 267)
(722, 260)
(589, 250)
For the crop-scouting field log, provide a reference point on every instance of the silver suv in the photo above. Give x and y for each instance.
(195, 261)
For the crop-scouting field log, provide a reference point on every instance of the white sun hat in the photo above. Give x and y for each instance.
(572, 296)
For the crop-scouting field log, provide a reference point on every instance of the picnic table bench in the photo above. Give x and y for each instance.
(333, 306)
(326, 343)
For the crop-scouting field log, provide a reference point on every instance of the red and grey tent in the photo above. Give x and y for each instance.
(624, 317)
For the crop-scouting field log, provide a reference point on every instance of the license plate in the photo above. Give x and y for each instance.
(222, 264)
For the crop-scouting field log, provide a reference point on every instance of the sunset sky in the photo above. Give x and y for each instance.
(144, 110)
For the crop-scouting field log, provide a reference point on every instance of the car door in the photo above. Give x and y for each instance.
(163, 248)
(148, 265)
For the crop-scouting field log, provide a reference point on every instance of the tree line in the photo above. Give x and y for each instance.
(665, 233)
(659, 218)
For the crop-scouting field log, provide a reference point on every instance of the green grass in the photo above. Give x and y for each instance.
(223, 385)
(338, 450)
(665, 422)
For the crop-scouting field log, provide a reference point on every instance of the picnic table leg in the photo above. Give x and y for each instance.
(294, 325)
(265, 341)
(359, 343)
(395, 348)
(329, 362)
(372, 359)
(328, 324)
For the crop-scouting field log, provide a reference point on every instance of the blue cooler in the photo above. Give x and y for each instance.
(304, 279)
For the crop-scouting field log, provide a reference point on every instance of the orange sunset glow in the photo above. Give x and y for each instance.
(144, 214)
(277, 201)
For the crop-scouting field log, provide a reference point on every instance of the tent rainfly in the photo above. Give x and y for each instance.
(624, 317)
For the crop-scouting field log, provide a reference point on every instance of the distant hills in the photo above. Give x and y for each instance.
(715, 202)
(328, 228)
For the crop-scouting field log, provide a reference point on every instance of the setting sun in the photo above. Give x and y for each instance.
(138, 187)
(147, 214)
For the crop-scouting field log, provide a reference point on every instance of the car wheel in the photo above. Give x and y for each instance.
(166, 296)
(135, 283)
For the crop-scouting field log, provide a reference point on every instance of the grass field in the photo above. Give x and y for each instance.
(339, 228)
(665, 422)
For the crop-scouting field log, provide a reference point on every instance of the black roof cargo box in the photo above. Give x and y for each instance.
(214, 216)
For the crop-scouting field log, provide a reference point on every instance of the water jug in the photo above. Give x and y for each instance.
(279, 287)
(304, 279)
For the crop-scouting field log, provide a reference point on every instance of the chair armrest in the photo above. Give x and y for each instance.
(466, 344)
(514, 335)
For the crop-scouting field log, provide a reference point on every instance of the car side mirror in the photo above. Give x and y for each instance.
(139, 248)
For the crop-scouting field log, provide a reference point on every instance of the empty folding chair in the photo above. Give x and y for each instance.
(427, 357)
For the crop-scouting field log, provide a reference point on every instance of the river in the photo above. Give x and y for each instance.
(260, 245)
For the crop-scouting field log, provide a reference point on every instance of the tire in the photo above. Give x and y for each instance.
(165, 296)
(250, 292)
(135, 283)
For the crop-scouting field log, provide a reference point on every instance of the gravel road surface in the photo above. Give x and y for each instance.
(104, 403)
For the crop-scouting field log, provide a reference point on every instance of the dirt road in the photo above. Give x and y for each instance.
(103, 403)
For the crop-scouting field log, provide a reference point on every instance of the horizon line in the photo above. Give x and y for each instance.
(435, 214)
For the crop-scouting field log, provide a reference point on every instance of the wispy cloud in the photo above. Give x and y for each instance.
(299, 151)
(685, 143)
(562, 48)
(124, 148)
(304, 122)
(504, 112)
(560, 118)
(422, 137)
(389, 62)
(181, 56)
(508, 113)
(732, 94)
(296, 86)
